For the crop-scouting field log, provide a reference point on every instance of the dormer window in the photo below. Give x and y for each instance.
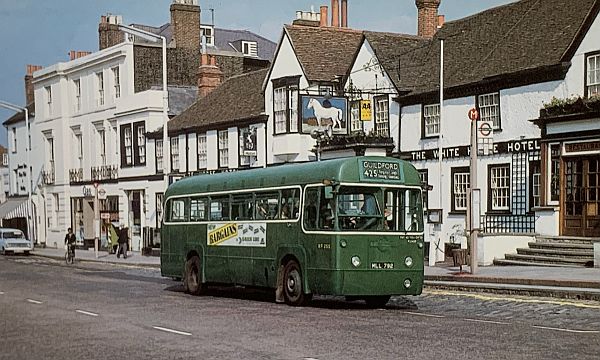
(250, 48)
(208, 32)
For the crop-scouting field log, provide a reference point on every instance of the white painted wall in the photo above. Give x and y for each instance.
(492, 247)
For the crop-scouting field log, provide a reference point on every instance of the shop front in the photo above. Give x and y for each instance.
(571, 175)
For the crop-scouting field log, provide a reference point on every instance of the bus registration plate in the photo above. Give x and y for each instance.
(382, 170)
(382, 265)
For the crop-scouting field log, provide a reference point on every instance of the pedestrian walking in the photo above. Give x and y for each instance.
(123, 241)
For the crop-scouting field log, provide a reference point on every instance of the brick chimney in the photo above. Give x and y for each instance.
(344, 13)
(335, 13)
(323, 21)
(209, 75)
(108, 31)
(29, 83)
(77, 54)
(428, 17)
(185, 22)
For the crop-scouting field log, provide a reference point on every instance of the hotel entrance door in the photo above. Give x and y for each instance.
(581, 197)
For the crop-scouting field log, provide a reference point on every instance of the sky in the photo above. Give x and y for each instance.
(42, 32)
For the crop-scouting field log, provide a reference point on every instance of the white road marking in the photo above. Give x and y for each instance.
(421, 314)
(172, 331)
(488, 321)
(86, 313)
(1, 292)
(34, 301)
(568, 330)
(310, 359)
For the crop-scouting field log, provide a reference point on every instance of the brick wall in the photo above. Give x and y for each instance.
(182, 67)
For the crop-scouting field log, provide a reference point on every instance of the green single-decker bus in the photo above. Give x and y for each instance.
(348, 227)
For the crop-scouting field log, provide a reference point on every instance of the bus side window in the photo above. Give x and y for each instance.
(311, 201)
(267, 206)
(198, 209)
(177, 211)
(241, 207)
(219, 208)
(290, 203)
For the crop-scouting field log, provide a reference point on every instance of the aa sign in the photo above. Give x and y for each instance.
(365, 110)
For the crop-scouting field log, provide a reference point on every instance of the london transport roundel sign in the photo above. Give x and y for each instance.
(485, 129)
(473, 114)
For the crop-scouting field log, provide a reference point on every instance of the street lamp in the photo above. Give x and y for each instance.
(156, 38)
(17, 108)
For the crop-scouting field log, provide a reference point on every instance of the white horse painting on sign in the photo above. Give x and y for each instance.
(319, 112)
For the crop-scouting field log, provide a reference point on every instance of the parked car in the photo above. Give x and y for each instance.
(14, 241)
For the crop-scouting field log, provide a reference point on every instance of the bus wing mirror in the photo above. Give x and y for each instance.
(328, 192)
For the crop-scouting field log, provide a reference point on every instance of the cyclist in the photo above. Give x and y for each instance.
(70, 241)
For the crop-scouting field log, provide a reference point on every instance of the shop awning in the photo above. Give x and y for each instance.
(14, 208)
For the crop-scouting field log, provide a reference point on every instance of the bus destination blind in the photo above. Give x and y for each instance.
(381, 170)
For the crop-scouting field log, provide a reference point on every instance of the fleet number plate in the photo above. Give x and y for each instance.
(382, 265)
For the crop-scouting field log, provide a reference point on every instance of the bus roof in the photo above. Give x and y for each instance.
(367, 169)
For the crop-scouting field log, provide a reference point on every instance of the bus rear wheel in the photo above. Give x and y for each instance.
(377, 301)
(192, 279)
(293, 291)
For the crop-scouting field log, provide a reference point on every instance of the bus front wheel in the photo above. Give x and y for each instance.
(292, 285)
(192, 279)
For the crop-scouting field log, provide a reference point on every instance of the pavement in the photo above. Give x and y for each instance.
(561, 282)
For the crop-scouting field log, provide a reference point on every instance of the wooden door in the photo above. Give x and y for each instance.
(581, 197)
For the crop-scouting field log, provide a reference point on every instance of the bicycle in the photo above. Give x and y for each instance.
(69, 254)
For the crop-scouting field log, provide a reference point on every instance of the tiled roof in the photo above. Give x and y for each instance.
(20, 116)
(518, 38)
(237, 99)
(324, 53)
(225, 37)
(180, 97)
(389, 47)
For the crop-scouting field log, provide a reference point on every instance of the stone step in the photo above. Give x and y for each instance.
(548, 259)
(551, 245)
(504, 262)
(566, 239)
(562, 253)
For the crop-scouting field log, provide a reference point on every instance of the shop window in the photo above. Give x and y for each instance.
(554, 173)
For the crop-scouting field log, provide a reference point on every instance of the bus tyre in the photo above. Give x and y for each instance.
(293, 292)
(192, 279)
(377, 301)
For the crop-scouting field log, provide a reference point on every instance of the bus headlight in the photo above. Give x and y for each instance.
(408, 261)
(343, 243)
(407, 283)
(355, 261)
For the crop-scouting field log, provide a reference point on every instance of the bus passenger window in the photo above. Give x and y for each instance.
(290, 204)
(311, 200)
(241, 207)
(219, 208)
(267, 206)
(177, 212)
(390, 211)
(197, 209)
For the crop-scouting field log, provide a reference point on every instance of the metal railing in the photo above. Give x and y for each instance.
(75, 175)
(105, 172)
(504, 224)
(48, 177)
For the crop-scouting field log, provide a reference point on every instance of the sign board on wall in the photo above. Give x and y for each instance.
(505, 147)
(249, 143)
(365, 110)
(319, 112)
